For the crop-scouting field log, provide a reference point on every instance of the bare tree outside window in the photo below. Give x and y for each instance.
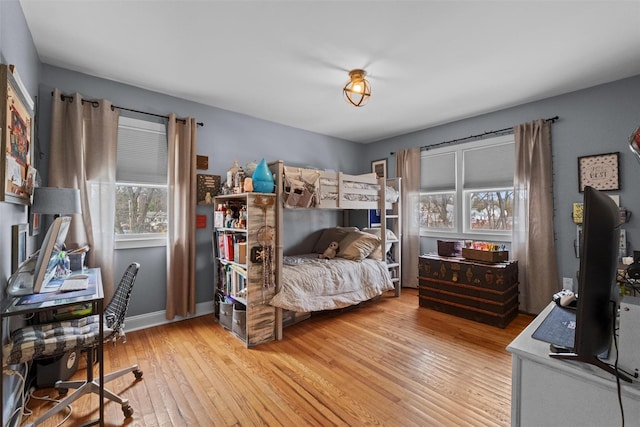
(140, 209)
(437, 211)
(491, 210)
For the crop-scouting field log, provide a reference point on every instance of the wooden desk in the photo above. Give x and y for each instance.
(12, 307)
(553, 392)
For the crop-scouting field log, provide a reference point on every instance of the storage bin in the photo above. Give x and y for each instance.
(239, 323)
(226, 314)
(485, 256)
(76, 261)
(450, 248)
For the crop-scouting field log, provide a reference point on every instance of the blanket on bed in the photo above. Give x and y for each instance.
(309, 283)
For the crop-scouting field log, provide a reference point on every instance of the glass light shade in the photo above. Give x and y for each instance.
(357, 90)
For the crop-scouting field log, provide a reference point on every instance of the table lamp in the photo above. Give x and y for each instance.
(56, 201)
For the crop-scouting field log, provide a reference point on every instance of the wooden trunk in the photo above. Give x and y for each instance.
(483, 292)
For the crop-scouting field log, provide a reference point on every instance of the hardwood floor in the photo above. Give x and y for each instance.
(386, 363)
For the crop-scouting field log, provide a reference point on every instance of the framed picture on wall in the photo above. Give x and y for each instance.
(34, 224)
(18, 245)
(379, 167)
(599, 171)
(16, 141)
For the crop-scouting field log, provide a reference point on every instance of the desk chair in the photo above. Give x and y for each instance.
(57, 338)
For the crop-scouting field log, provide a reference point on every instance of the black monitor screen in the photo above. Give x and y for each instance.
(597, 294)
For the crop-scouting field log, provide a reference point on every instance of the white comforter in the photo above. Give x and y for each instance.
(312, 284)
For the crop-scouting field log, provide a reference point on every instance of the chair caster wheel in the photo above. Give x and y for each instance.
(127, 411)
(63, 391)
(137, 373)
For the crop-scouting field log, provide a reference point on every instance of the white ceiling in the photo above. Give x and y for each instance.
(429, 62)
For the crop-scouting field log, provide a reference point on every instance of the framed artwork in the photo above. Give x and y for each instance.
(34, 224)
(16, 139)
(599, 171)
(379, 167)
(207, 188)
(18, 245)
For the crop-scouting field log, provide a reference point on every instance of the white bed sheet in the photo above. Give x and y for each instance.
(312, 284)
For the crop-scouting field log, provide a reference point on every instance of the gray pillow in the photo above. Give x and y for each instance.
(333, 234)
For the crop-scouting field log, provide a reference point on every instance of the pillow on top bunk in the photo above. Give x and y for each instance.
(377, 253)
(333, 234)
(357, 245)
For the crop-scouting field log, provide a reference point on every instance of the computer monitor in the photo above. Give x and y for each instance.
(597, 293)
(35, 273)
(48, 256)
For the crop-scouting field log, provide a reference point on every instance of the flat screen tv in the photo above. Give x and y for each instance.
(597, 294)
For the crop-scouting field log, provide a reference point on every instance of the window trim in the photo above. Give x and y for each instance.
(132, 241)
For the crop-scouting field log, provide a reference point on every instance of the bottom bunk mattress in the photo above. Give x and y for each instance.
(309, 283)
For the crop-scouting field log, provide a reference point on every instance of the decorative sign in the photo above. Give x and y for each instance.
(600, 172)
(201, 221)
(208, 186)
(202, 162)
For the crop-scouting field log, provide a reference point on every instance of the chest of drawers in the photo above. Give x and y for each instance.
(486, 293)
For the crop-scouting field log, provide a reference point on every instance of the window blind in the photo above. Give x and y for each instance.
(438, 172)
(142, 152)
(486, 167)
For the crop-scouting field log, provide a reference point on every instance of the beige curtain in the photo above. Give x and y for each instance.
(84, 137)
(181, 251)
(408, 168)
(533, 238)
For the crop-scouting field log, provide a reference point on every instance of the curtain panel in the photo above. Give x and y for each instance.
(181, 250)
(533, 236)
(84, 136)
(408, 168)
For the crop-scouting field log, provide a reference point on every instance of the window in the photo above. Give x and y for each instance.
(467, 190)
(141, 184)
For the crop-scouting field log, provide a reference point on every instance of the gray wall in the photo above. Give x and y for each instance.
(16, 47)
(592, 121)
(224, 137)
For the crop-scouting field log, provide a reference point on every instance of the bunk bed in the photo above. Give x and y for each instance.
(361, 270)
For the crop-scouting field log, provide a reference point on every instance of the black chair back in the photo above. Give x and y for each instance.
(116, 310)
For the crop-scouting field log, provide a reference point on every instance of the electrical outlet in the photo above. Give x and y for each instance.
(567, 283)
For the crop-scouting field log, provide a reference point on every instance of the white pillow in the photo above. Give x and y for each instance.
(357, 245)
(377, 253)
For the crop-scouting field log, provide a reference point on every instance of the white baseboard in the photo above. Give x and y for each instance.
(148, 320)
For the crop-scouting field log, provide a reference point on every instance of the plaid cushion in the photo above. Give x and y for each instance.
(51, 339)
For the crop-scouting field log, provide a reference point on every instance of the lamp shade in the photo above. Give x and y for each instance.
(56, 201)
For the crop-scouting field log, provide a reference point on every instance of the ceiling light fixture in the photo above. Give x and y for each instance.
(357, 90)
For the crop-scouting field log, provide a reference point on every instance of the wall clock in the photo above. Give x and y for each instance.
(600, 172)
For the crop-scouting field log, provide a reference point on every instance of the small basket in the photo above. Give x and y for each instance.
(239, 323)
(485, 256)
(226, 314)
(450, 248)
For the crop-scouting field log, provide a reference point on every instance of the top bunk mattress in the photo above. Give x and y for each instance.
(311, 188)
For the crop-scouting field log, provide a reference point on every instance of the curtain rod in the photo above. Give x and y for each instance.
(95, 104)
(504, 131)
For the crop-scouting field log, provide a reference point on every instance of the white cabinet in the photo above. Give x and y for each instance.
(553, 392)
